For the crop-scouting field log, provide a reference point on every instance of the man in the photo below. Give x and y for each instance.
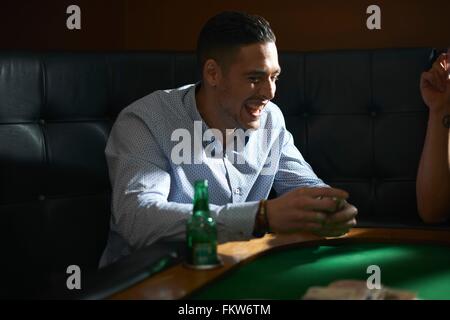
(154, 155)
(433, 178)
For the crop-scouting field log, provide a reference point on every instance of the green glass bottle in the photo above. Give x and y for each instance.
(201, 231)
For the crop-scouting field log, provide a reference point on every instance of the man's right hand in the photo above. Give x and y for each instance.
(305, 209)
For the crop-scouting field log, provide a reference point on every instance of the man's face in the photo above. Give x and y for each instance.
(247, 85)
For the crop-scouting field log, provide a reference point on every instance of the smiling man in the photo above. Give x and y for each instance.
(230, 111)
(238, 89)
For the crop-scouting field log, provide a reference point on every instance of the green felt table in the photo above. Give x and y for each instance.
(287, 273)
(284, 266)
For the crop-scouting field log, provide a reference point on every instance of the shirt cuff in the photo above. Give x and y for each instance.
(235, 222)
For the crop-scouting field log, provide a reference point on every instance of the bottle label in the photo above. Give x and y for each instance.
(204, 254)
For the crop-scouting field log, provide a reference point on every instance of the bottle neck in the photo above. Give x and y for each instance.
(201, 207)
(201, 213)
(201, 203)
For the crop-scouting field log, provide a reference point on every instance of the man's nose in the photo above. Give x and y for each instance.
(268, 89)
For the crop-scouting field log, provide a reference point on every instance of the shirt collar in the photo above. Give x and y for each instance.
(191, 104)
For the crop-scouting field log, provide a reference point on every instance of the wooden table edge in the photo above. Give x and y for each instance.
(178, 282)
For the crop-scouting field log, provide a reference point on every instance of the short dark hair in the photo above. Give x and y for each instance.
(227, 31)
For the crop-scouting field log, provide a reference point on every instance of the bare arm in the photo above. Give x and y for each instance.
(433, 178)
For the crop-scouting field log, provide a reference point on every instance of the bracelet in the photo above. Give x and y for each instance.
(446, 121)
(261, 220)
(263, 207)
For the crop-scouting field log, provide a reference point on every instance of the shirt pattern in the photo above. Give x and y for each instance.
(152, 195)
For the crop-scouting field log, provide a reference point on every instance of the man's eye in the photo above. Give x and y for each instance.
(275, 78)
(253, 79)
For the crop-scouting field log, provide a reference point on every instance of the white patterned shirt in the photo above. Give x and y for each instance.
(152, 178)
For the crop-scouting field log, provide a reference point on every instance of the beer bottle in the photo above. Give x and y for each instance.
(201, 231)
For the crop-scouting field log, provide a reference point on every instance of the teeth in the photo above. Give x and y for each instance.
(254, 111)
(255, 107)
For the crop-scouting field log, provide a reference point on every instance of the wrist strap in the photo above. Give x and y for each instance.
(261, 221)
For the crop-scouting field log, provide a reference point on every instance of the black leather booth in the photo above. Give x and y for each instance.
(357, 117)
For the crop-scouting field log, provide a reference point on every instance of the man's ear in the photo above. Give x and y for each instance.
(212, 73)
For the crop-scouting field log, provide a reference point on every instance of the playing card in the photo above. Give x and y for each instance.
(370, 294)
(328, 293)
(356, 290)
(394, 294)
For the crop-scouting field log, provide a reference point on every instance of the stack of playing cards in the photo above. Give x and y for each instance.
(356, 290)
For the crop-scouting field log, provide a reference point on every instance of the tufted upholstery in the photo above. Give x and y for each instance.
(357, 117)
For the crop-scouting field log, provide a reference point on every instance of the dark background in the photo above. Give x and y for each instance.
(300, 25)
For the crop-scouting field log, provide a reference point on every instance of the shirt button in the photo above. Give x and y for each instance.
(238, 190)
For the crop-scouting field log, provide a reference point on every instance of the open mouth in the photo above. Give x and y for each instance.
(255, 109)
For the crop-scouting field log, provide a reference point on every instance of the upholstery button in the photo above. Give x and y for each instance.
(41, 121)
(41, 197)
(213, 138)
(373, 114)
